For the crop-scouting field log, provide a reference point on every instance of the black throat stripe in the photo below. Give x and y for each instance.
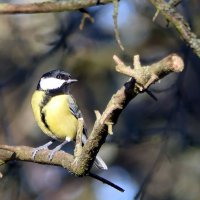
(44, 102)
(44, 120)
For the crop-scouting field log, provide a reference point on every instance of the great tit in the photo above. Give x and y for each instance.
(56, 111)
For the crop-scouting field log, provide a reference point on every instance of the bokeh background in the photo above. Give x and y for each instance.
(156, 144)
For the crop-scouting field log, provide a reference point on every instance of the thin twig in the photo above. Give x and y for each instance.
(86, 15)
(116, 29)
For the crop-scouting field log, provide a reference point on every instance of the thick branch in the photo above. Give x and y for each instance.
(23, 153)
(169, 12)
(143, 77)
(48, 6)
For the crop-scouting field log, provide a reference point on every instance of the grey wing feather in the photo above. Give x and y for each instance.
(74, 108)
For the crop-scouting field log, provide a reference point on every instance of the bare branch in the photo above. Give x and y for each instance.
(175, 18)
(47, 6)
(62, 159)
(116, 29)
(23, 153)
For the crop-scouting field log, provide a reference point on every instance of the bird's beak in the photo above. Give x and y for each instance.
(71, 81)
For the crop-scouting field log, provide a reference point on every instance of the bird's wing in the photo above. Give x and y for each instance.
(74, 107)
(99, 163)
(76, 112)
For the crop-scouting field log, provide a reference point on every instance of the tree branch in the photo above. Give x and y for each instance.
(175, 18)
(115, 20)
(142, 77)
(48, 6)
(24, 153)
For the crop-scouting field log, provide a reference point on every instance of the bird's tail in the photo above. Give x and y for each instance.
(99, 163)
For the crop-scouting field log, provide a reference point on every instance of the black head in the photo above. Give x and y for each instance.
(55, 80)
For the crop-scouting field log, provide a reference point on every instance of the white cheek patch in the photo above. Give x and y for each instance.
(51, 83)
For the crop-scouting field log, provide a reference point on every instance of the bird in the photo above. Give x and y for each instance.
(57, 113)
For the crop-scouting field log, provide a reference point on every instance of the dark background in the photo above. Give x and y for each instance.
(156, 143)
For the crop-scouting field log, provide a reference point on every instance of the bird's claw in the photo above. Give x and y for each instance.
(51, 155)
(34, 152)
(75, 162)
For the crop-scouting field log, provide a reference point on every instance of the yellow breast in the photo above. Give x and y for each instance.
(57, 121)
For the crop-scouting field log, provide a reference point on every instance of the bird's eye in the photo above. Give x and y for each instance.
(58, 76)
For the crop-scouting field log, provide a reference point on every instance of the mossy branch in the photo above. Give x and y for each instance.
(175, 18)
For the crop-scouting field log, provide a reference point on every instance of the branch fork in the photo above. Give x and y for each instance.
(80, 164)
(137, 72)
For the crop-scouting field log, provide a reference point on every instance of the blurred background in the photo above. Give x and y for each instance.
(155, 148)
